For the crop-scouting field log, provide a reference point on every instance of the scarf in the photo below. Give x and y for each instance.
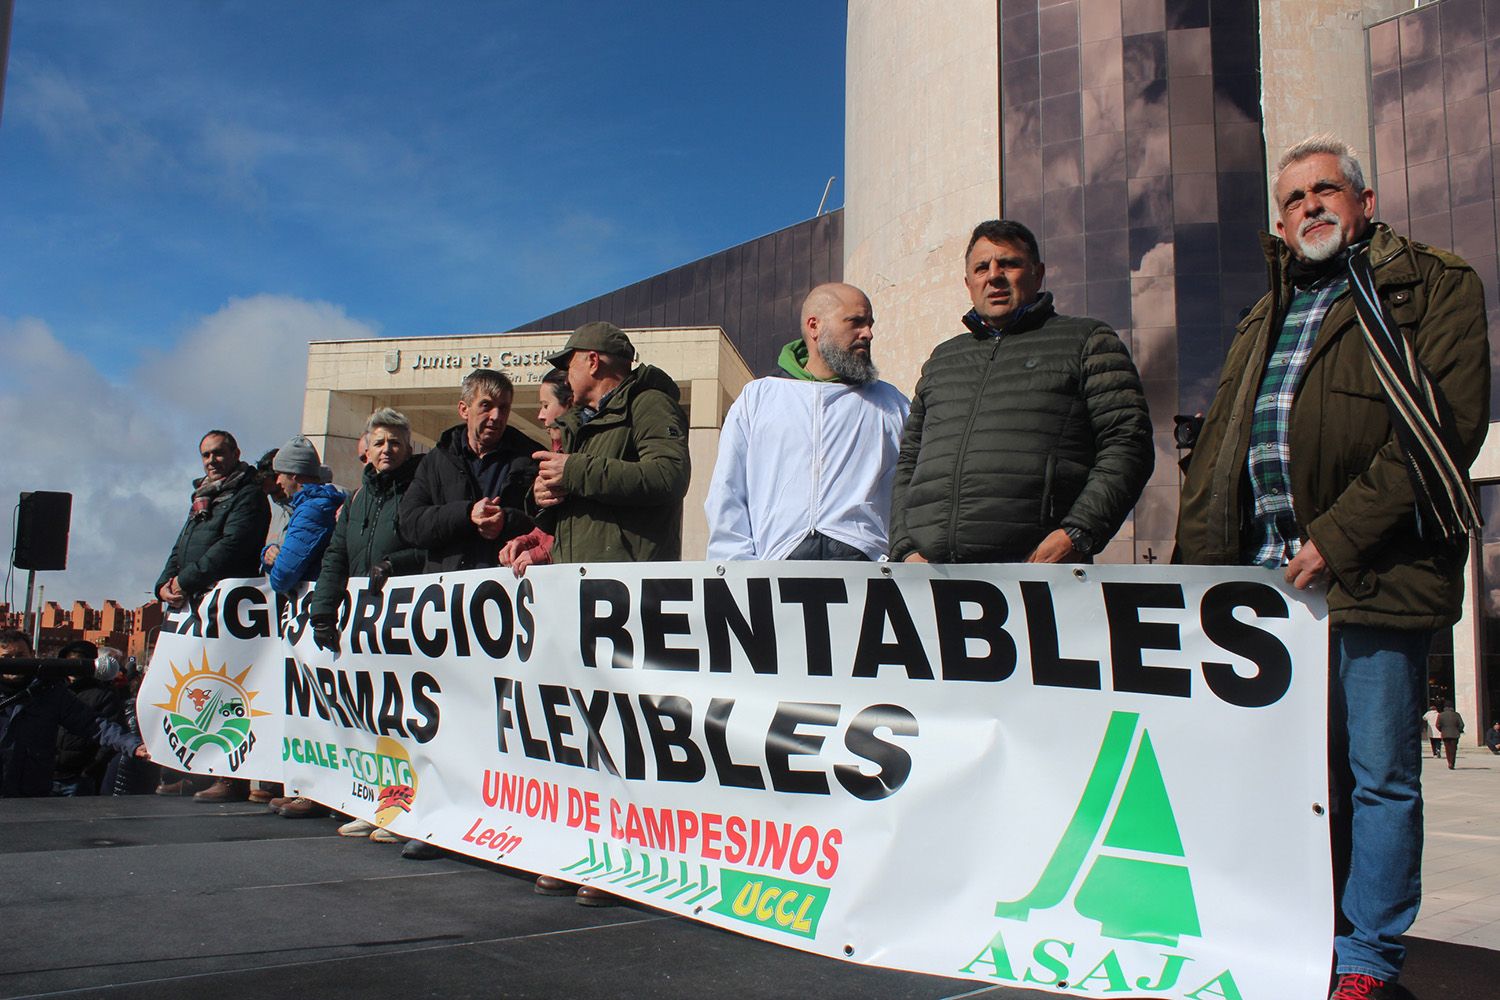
(215, 491)
(1421, 417)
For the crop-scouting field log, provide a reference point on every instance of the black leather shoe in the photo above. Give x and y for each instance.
(420, 850)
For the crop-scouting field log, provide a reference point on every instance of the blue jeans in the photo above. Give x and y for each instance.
(1376, 680)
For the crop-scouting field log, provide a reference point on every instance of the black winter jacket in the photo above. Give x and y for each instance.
(435, 508)
(28, 735)
(1014, 436)
(368, 531)
(80, 755)
(225, 545)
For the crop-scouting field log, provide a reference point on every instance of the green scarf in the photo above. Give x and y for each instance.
(793, 361)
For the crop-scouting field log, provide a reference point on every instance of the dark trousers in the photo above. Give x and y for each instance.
(1450, 748)
(820, 547)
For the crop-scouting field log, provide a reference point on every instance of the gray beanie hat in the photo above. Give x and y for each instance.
(298, 457)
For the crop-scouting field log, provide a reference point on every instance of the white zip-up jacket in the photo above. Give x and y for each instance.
(797, 457)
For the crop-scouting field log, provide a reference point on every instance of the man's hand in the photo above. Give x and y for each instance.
(488, 517)
(171, 594)
(915, 557)
(548, 488)
(269, 555)
(379, 573)
(1308, 568)
(142, 752)
(1055, 548)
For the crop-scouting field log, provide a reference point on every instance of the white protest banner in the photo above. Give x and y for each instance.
(1098, 780)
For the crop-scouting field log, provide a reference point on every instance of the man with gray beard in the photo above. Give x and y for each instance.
(1361, 487)
(808, 455)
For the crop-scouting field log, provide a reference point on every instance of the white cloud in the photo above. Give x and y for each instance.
(126, 449)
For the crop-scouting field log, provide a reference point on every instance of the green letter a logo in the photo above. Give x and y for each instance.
(1134, 898)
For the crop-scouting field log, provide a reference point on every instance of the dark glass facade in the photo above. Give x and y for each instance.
(1435, 116)
(1131, 143)
(754, 291)
(1435, 105)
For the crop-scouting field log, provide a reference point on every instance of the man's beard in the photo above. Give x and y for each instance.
(849, 366)
(1317, 251)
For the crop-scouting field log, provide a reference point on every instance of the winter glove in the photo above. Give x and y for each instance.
(326, 634)
(379, 573)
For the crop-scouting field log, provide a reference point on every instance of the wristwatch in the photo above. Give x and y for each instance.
(1083, 542)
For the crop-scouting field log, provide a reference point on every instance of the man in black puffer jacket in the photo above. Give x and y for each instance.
(470, 493)
(1029, 438)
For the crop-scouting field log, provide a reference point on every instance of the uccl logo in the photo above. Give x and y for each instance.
(207, 708)
(1121, 863)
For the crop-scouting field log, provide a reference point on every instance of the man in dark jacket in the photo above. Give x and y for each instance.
(31, 710)
(469, 495)
(81, 762)
(1028, 438)
(226, 525)
(617, 489)
(1323, 489)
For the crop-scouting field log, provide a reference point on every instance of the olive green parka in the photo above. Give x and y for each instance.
(626, 475)
(1350, 489)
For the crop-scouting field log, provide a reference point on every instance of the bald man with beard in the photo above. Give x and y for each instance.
(808, 455)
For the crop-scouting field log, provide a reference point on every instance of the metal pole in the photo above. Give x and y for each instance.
(26, 619)
(826, 188)
(36, 622)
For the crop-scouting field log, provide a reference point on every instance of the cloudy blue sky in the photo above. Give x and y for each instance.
(193, 190)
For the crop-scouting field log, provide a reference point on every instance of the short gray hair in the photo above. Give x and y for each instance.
(487, 381)
(1323, 143)
(392, 420)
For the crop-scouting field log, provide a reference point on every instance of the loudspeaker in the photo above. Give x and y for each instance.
(42, 530)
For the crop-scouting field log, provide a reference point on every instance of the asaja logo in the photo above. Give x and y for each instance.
(1121, 862)
(1138, 887)
(208, 708)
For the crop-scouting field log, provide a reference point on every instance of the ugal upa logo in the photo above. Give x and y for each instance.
(208, 709)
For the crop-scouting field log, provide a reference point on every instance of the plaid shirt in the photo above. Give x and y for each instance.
(1270, 457)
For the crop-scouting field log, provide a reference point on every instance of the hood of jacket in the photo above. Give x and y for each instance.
(323, 496)
(793, 361)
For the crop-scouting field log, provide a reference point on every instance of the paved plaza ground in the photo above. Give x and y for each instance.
(1461, 861)
(169, 899)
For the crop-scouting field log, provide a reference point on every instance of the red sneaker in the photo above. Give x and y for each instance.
(1358, 986)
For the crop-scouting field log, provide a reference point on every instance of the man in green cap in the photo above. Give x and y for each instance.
(615, 491)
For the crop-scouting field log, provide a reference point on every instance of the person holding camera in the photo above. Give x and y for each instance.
(31, 710)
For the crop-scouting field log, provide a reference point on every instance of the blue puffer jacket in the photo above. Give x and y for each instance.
(315, 508)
